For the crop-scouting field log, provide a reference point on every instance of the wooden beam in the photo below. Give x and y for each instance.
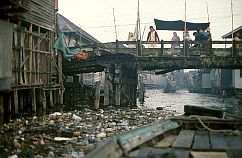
(1, 109)
(106, 88)
(23, 62)
(30, 52)
(44, 102)
(51, 98)
(97, 95)
(59, 61)
(15, 95)
(21, 102)
(38, 58)
(22, 52)
(33, 102)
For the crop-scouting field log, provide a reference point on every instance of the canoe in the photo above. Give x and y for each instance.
(190, 136)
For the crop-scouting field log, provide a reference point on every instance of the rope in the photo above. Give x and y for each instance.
(230, 132)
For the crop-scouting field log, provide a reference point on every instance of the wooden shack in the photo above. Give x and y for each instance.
(31, 79)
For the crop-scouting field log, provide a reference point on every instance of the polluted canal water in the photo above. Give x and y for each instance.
(73, 134)
(174, 102)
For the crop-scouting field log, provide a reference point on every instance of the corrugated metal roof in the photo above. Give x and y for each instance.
(66, 25)
(229, 35)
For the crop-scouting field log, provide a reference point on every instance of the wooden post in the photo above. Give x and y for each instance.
(15, 95)
(161, 47)
(117, 47)
(97, 95)
(117, 94)
(44, 102)
(106, 88)
(51, 99)
(1, 109)
(139, 48)
(22, 58)
(134, 89)
(30, 52)
(60, 77)
(19, 43)
(15, 56)
(117, 81)
(9, 107)
(33, 102)
(21, 103)
(38, 58)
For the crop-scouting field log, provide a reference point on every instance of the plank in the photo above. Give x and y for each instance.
(218, 141)
(166, 142)
(202, 154)
(184, 139)
(198, 110)
(201, 141)
(235, 146)
(234, 142)
(144, 153)
(107, 149)
(148, 152)
(180, 153)
(33, 98)
(30, 53)
(15, 96)
(142, 135)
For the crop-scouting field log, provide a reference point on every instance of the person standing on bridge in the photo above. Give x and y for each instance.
(208, 44)
(175, 41)
(236, 43)
(152, 36)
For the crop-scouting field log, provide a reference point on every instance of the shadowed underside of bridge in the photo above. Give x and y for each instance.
(165, 63)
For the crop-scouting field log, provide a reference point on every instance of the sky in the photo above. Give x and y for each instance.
(99, 17)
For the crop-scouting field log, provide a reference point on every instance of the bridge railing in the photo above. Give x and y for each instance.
(160, 48)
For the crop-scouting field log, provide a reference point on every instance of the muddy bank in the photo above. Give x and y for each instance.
(71, 134)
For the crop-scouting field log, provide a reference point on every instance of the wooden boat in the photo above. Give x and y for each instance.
(190, 136)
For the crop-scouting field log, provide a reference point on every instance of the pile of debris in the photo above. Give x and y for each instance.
(72, 134)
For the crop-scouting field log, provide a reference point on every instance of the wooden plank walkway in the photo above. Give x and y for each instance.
(184, 139)
(218, 141)
(201, 141)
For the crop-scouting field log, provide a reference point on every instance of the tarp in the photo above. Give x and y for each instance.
(178, 25)
(60, 45)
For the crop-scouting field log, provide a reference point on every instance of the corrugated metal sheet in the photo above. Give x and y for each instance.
(67, 26)
(6, 38)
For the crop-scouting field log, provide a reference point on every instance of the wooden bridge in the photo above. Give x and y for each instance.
(162, 58)
(121, 64)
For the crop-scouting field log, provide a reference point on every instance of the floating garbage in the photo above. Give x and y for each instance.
(71, 134)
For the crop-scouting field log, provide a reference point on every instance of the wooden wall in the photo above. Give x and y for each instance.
(41, 13)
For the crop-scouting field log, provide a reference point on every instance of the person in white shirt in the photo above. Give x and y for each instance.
(152, 36)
